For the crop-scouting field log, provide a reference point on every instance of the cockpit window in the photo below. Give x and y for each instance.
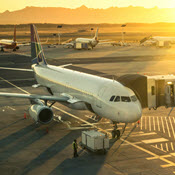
(112, 98)
(134, 98)
(117, 99)
(125, 99)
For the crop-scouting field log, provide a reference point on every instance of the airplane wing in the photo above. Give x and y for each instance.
(35, 96)
(5, 44)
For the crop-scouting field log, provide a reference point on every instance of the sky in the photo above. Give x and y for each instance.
(13, 5)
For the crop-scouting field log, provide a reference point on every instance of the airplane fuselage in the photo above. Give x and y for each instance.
(91, 92)
(93, 42)
(8, 44)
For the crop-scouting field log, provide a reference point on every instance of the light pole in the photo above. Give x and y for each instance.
(123, 33)
(59, 27)
(92, 32)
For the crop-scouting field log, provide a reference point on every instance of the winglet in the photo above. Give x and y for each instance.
(36, 48)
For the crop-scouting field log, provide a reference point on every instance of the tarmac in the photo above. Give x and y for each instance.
(27, 148)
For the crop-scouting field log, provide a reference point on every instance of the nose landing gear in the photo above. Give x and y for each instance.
(115, 132)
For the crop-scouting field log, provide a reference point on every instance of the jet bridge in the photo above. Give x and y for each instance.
(152, 91)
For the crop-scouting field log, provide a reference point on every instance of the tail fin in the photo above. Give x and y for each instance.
(36, 48)
(14, 36)
(96, 35)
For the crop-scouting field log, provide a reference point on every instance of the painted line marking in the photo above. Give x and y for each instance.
(11, 108)
(141, 122)
(135, 143)
(155, 140)
(167, 165)
(172, 127)
(15, 86)
(172, 147)
(167, 147)
(158, 123)
(145, 123)
(167, 127)
(161, 149)
(149, 123)
(154, 123)
(136, 146)
(153, 158)
(144, 134)
(163, 125)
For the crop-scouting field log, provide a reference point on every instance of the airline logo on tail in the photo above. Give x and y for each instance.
(36, 48)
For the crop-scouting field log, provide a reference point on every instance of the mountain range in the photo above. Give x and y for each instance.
(84, 15)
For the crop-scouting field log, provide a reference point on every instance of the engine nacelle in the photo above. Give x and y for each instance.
(41, 114)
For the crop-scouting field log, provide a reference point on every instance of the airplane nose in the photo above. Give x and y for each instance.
(135, 113)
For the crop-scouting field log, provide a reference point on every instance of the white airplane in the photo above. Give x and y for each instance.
(104, 97)
(91, 42)
(11, 44)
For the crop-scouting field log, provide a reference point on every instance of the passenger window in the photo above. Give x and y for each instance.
(112, 98)
(117, 99)
(125, 99)
(134, 98)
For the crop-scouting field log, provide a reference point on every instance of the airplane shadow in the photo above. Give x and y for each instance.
(51, 151)
(11, 124)
(85, 163)
(21, 144)
(13, 137)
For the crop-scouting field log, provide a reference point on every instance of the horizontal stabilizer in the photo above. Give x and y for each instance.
(18, 69)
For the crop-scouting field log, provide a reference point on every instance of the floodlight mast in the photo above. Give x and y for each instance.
(59, 39)
(123, 26)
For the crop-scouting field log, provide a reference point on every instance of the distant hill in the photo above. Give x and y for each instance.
(84, 15)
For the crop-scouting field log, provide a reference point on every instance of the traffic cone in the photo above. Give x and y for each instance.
(138, 122)
(47, 130)
(25, 116)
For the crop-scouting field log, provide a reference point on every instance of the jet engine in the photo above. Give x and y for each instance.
(41, 114)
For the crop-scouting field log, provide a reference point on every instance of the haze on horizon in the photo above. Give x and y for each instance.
(20, 4)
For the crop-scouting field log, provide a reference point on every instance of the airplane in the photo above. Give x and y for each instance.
(11, 44)
(91, 42)
(81, 91)
(159, 41)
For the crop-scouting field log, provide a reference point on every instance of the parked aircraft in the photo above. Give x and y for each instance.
(11, 44)
(86, 43)
(81, 91)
